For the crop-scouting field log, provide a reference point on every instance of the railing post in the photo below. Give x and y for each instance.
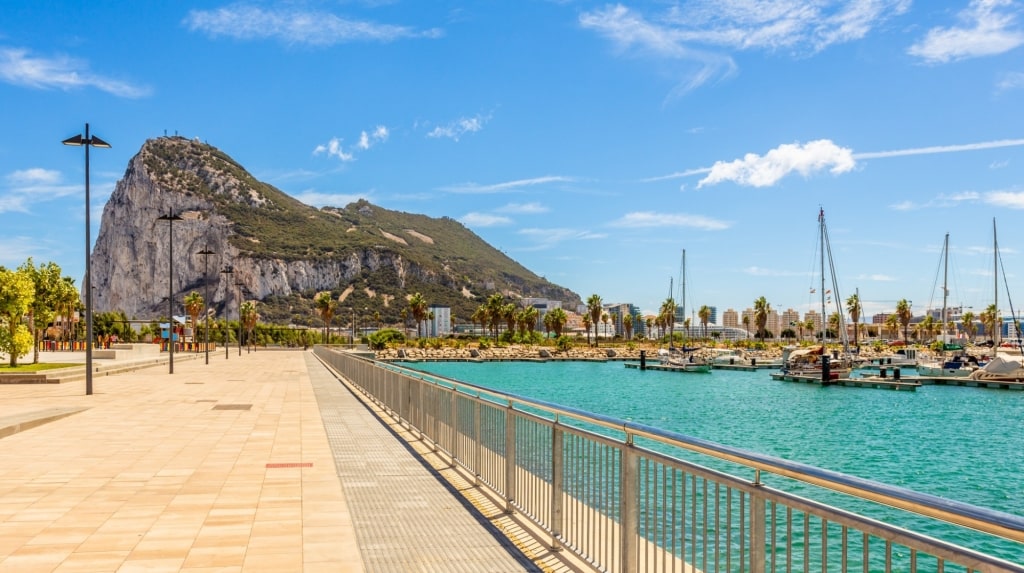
(757, 527)
(477, 439)
(629, 502)
(510, 456)
(557, 486)
(455, 425)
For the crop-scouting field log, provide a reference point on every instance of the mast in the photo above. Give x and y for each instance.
(945, 290)
(682, 281)
(997, 321)
(821, 232)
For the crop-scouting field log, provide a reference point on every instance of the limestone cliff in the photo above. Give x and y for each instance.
(281, 250)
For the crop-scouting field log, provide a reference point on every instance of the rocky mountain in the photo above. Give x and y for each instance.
(282, 251)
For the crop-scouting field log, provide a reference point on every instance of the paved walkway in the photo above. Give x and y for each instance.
(263, 462)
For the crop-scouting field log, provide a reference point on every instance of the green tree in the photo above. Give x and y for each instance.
(988, 319)
(594, 309)
(559, 318)
(853, 307)
(194, 305)
(249, 317)
(667, 315)
(495, 304)
(586, 326)
(904, 315)
(48, 287)
(704, 314)
(627, 325)
(418, 310)
(326, 306)
(761, 311)
(17, 293)
(968, 321)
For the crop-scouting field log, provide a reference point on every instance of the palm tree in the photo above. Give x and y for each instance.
(746, 325)
(627, 325)
(649, 322)
(834, 321)
(494, 312)
(904, 315)
(558, 320)
(968, 321)
(892, 323)
(594, 309)
(761, 311)
(249, 317)
(418, 310)
(704, 314)
(326, 306)
(508, 312)
(987, 318)
(193, 306)
(586, 326)
(667, 317)
(531, 314)
(604, 320)
(853, 307)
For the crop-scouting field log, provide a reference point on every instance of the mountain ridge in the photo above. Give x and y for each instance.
(281, 250)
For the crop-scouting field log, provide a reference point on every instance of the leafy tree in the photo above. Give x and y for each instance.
(326, 307)
(627, 325)
(594, 310)
(968, 321)
(904, 315)
(17, 294)
(892, 323)
(746, 325)
(667, 315)
(48, 287)
(418, 311)
(586, 326)
(604, 320)
(249, 317)
(495, 304)
(508, 312)
(988, 319)
(761, 312)
(853, 307)
(559, 318)
(704, 314)
(194, 304)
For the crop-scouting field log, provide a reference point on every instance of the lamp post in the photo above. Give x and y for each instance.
(239, 285)
(353, 327)
(228, 271)
(205, 253)
(170, 217)
(87, 142)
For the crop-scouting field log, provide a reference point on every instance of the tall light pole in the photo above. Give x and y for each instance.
(228, 271)
(239, 285)
(353, 327)
(205, 253)
(170, 217)
(87, 142)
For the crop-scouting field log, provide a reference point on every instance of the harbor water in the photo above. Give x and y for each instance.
(960, 443)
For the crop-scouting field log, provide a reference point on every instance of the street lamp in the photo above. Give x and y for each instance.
(239, 285)
(205, 253)
(170, 217)
(228, 271)
(87, 142)
(353, 327)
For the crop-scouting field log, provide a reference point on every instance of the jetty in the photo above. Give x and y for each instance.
(865, 382)
(663, 368)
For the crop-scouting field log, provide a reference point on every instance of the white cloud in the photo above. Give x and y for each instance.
(940, 149)
(26, 187)
(875, 277)
(506, 186)
(764, 171)
(985, 30)
(34, 176)
(1010, 81)
(684, 32)
(17, 67)
(320, 199)
(296, 27)
(456, 129)
(484, 220)
(548, 238)
(334, 147)
(523, 208)
(1009, 199)
(643, 219)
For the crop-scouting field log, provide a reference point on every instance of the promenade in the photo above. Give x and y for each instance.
(259, 462)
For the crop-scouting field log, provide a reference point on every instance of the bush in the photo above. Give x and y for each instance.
(564, 343)
(379, 340)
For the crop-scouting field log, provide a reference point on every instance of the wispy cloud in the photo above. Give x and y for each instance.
(941, 201)
(19, 68)
(699, 30)
(549, 238)
(987, 28)
(296, 26)
(484, 220)
(474, 188)
(28, 186)
(764, 171)
(1010, 81)
(456, 129)
(940, 149)
(875, 277)
(1008, 199)
(646, 219)
(336, 148)
(321, 199)
(523, 208)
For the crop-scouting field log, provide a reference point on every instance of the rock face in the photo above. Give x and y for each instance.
(275, 245)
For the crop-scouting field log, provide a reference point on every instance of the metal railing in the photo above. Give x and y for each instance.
(622, 496)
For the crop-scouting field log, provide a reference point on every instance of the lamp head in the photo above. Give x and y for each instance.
(97, 142)
(76, 140)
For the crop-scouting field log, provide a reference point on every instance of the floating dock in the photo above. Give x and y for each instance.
(866, 382)
(666, 368)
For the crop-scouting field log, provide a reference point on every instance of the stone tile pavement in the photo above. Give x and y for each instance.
(260, 462)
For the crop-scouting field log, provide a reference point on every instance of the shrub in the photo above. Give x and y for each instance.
(564, 343)
(379, 340)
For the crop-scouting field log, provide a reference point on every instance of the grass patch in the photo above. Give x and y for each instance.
(6, 368)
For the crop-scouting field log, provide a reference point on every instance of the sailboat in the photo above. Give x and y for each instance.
(682, 358)
(810, 361)
(960, 366)
(1001, 368)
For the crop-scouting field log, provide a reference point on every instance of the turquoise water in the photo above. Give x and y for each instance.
(965, 444)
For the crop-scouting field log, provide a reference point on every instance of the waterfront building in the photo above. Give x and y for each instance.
(730, 319)
(814, 317)
(789, 320)
(438, 322)
(713, 319)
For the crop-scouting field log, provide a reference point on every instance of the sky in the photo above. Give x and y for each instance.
(593, 142)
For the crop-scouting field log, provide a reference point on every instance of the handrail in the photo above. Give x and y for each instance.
(1001, 524)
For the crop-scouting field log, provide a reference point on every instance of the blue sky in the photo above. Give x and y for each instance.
(590, 141)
